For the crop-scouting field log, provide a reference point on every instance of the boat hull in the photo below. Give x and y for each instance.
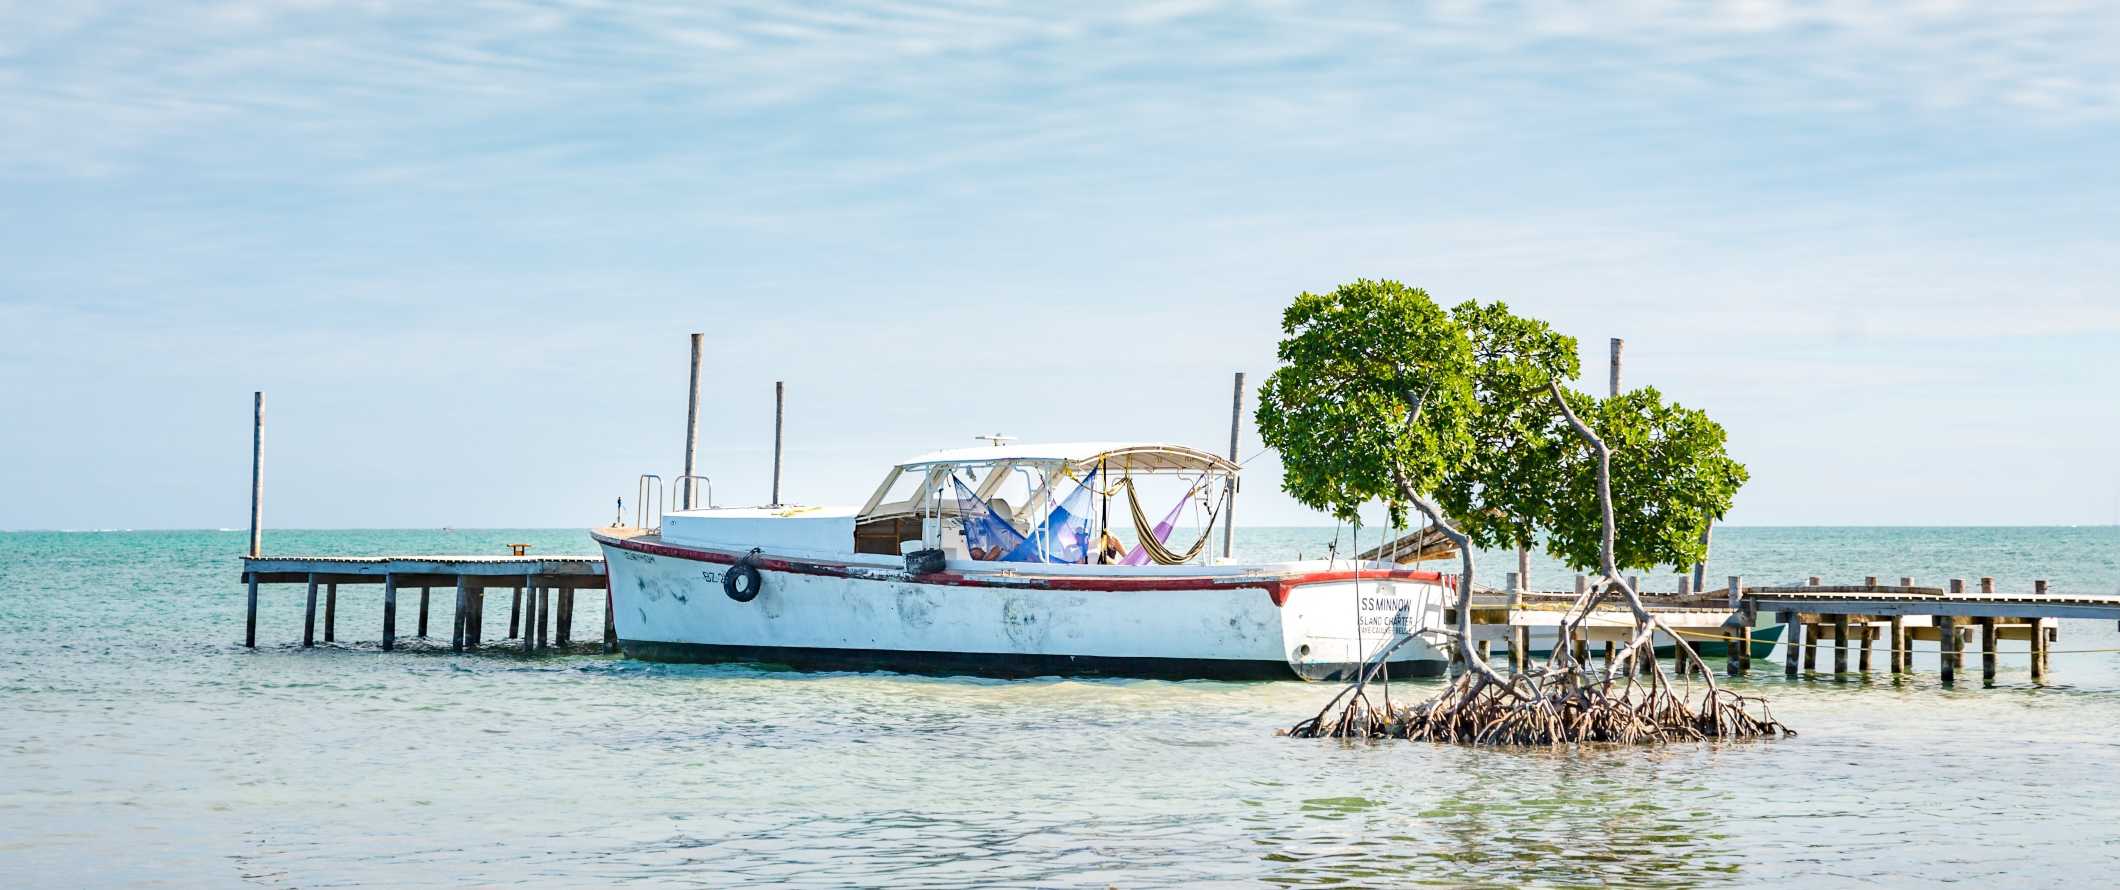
(989, 620)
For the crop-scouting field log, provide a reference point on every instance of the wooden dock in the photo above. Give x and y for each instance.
(1856, 616)
(542, 586)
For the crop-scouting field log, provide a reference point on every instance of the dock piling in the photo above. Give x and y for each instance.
(1899, 644)
(1946, 641)
(780, 389)
(1957, 644)
(1790, 640)
(423, 612)
(564, 634)
(331, 612)
(457, 619)
(685, 482)
(544, 616)
(1229, 493)
(250, 622)
(1869, 635)
(1987, 646)
(2039, 646)
(1840, 645)
(309, 616)
(389, 612)
(515, 610)
(610, 626)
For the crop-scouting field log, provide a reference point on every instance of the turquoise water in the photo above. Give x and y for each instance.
(144, 745)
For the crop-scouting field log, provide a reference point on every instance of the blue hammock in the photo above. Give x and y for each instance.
(1064, 536)
(987, 534)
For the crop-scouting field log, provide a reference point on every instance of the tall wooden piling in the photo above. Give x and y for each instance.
(1522, 647)
(1987, 645)
(610, 626)
(684, 483)
(564, 633)
(463, 609)
(2039, 646)
(423, 612)
(389, 612)
(309, 616)
(1957, 649)
(1619, 347)
(1229, 496)
(544, 617)
(515, 610)
(1947, 641)
(1899, 644)
(1840, 645)
(478, 616)
(331, 612)
(1792, 639)
(257, 476)
(780, 391)
(1868, 634)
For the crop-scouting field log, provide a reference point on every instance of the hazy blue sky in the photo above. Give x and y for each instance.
(460, 244)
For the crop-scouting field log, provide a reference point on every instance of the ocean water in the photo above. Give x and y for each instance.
(143, 745)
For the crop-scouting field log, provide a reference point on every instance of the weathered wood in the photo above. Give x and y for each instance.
(478, 616)
(389, 613)
(564, 634)
(250, 620)
(457, 620)
(1868, 635)
(1810, 646)
(684, 482)
(1947, 642)
(331, 612)
(309, 617)
(1791, 639)
(544, 616)
(1870, 581)
(1685, 585)
(1840, 644)
(1737, 592)
(515, 610)
(1987, 647)
(1611, 650)
(1484, 648)
(1229, 493)
(529, 616)
(423, 612)
(1735, 640)
(1899, 645)
(780, 390)
(610, 625)
(1619, 347)
(2038, 641)
(257, 478)
(1957, 645)
(1987, 585)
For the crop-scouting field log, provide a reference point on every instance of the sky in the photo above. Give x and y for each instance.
(460, 246)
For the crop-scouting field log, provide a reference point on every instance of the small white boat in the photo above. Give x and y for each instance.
(937, 573)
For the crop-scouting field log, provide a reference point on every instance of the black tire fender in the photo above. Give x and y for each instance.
(742, 581)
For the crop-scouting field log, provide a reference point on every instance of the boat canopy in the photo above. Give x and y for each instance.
(1053, 460)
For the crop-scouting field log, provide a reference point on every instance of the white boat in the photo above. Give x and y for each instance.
(847, 588)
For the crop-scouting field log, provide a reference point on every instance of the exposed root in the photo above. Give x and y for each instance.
(1527, 713)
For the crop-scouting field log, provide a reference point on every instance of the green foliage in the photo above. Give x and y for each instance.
(1671, 478)
(1489, 444)
(1501, 493)
(1355, 363)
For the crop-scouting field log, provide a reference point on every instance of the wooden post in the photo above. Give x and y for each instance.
(331, 612)
(389, 612)
(1869, 632)
(2038, 638)
(1618, 347)
(257, 479)
(477, 630)
(1523, 647)
(1736, 640)
(1987, 585)
(779, 406)
(309, 616)
(1635, 581)
(1840, 644)
(1737, 593)
(1869, 581)
(1899, 644)
(1987, 645)
(544, 616)
(1814, 581)
(1791, 636)
(565, 633)
(1957, 649)
(1685, 585)
(423, 613)
(685, 482)
(610, 625)
(1947, 640)
(250, 621)
(515, 610)
(1582, 585)
(1229, 496)
(529, 615)
(463, 606)
(1905, 581)
(1700, 569)
(1611, 650)
(1484, 647)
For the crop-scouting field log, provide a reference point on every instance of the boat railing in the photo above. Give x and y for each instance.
(688, 485)
(646, 515)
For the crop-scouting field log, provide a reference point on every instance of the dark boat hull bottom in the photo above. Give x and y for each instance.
(1003, 664)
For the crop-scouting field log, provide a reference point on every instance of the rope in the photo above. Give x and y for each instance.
(1158, 553)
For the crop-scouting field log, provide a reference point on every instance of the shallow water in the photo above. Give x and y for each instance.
(145, 746)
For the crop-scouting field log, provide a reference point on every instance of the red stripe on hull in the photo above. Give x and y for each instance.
(1276, 586)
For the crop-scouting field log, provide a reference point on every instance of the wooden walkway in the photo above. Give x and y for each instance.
(551, 582)
(1851, 616)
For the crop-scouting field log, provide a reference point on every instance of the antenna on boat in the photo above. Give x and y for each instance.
(997, 438)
